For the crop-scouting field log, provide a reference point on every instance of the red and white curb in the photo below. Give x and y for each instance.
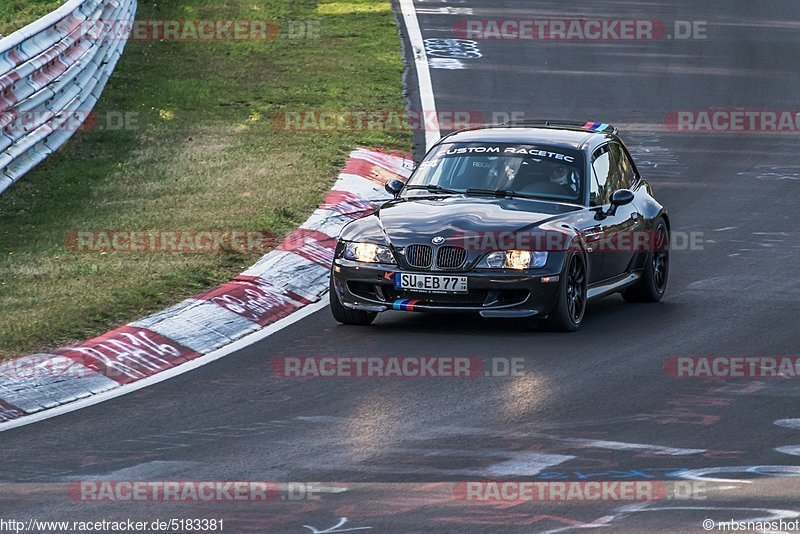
(287, 279)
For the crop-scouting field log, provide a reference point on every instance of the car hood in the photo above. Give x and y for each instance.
(408, 221)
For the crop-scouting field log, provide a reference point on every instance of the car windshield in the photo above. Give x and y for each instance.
(502, 169)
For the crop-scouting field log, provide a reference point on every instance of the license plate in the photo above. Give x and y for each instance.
(431, 283)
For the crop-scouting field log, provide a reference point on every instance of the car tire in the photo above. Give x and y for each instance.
(567, 315)
(653, 283)
(346, 315)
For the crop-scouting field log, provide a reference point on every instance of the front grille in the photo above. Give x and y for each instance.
(450, 257)
(419, 256)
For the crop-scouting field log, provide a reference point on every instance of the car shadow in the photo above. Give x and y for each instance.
(604, 316)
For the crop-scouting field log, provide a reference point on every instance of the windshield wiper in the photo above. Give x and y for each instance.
(434, 189)
(472, 191)
(497, 193)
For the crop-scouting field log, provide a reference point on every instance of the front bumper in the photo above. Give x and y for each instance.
(492, 292)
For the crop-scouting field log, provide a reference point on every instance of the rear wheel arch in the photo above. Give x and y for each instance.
(651, 287)
(663, 215)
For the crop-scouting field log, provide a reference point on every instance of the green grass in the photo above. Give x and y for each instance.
(204, 154)
(14, 14)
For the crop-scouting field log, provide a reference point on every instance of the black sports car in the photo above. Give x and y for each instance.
(519, 220)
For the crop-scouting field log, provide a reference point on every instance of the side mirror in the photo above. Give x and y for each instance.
(621, 197)
(394, 187)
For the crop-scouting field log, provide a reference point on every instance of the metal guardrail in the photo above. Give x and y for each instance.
(52, 72)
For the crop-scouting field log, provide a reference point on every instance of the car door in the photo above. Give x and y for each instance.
(592, 233)
(613, 236)
(592, 229)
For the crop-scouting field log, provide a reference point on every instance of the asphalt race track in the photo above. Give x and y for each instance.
(594, 405)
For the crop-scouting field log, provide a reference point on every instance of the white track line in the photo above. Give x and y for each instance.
(427, 100)
(169, 373)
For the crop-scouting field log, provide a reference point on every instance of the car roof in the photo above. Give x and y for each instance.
(556, 137)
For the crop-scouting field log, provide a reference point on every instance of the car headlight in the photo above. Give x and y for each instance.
(368, 253)
(514, 259)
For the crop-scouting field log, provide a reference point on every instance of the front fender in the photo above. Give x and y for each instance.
(367, 230)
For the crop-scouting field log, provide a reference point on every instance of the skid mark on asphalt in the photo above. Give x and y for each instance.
(654, 159)
(778, 288)
(520, 453)
(757, 245)
(480, 452)
(773, 173)
(335, 528)
(504, 518)
(155, 470)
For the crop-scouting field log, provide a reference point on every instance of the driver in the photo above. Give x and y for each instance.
(503, 172)
(560, 175)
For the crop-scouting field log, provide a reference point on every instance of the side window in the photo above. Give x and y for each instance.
(627, 176)
(615, 169)
(601, 165)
